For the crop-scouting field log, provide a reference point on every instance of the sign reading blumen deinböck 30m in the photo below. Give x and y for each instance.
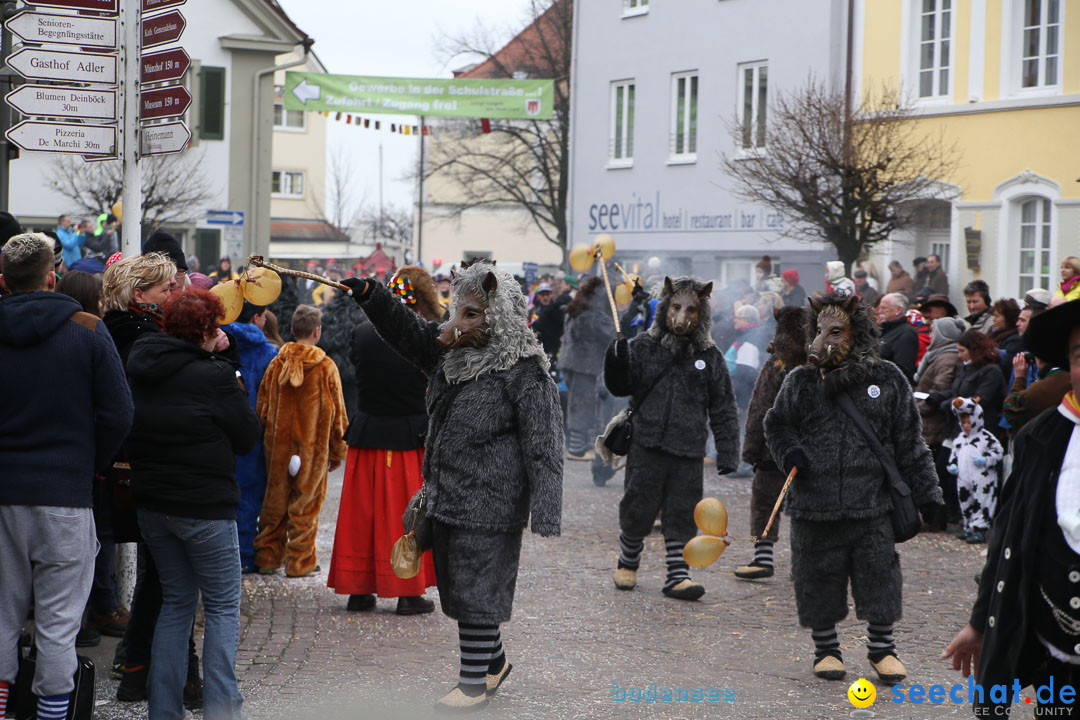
(437, 97)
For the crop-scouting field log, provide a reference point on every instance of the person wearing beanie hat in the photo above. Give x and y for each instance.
(162, 242)
(835, 280)
(793, 293)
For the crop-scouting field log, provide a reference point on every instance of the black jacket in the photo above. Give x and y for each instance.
(191, 419)
(390, 412)
(985, 383)
(587, 337)
(127, 326)
(549, 323)
(1005, 616)
(795, 298)
(900, 345)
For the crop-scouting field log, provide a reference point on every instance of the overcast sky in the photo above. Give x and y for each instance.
(395, 38)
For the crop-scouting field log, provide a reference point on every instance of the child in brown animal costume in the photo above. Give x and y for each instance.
(787, 351)
(839, 503)
(301, 406)
(493, 455)
(679, 387)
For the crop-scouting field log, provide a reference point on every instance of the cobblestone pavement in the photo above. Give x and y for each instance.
(574, 636)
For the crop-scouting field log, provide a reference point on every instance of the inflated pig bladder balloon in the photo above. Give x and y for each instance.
(703, 551)
(711, 517)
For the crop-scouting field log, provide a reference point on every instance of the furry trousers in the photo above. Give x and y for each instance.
(289, 520)
(763, 493)
(658, 482)
(476, 572)
(978, 498)
(826, 556)
(582, 410)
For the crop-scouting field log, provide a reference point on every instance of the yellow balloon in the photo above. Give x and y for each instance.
(711, 517)
(261, 286)
(118, 210)
(606, 245)
(580, 258)
(623, 293)
(703, 551)
(232, 297)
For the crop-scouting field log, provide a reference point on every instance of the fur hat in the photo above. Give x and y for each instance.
(427, 298)
(162, 242)
(1047, 334)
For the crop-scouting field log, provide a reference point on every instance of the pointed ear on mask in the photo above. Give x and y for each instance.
(490, 283)
(851, 304)
(453, 273)
(815, 303)
(669, 288)
(705, 291)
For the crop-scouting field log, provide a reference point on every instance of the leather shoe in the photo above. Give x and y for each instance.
(414, 605)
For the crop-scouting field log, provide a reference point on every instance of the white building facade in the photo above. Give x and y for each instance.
(655, 88)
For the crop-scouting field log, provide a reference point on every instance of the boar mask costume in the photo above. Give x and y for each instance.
(493, 453)
(839, 502)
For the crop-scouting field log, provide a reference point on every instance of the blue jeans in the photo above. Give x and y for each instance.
(194, 556)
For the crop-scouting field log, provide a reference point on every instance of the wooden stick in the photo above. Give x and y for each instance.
(780, 499)
(607, 286)
(258, 261)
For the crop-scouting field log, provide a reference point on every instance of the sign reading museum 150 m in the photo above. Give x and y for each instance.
(495, 99)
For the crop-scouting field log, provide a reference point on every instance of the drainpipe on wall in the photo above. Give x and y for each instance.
(253, 223)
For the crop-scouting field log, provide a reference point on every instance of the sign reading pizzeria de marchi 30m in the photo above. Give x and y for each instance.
(434, 97)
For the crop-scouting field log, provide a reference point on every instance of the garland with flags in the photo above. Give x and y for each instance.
(397, 128)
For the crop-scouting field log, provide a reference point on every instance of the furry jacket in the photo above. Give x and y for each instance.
(694, 395)
(587, 336)
(979, 443)
(845, 480)
(494, 448)
(755, 451)
(303, 410)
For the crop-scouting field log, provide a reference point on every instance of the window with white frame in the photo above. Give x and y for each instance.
(684, 105)
(621, 149)
(753, 95)
(288, 119)
(1040, 44)
(1036, 235)
(935, 47)
(287, 183)
(635, 7)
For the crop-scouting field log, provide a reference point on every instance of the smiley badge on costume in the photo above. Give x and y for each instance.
(862, 694)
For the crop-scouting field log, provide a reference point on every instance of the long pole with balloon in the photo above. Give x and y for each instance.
(582, 258)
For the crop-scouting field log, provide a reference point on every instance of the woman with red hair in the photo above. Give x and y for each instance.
(192, 418)
(978, 375)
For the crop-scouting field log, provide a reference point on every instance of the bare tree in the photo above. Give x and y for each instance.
(521, 163)
(848, 176)
(342, 211)
(393, 226)
(175, 188)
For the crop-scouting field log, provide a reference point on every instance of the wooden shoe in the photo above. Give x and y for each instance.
(686, 590)
(625, 579)
(830, 668)
(753, 572)
(889, 670)
(496, 680)
(457, 702)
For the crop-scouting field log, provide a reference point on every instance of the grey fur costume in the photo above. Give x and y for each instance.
(666, 459)
(838, 503)
(582, 362)
(494, 443)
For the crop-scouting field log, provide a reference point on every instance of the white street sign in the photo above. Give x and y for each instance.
(64, 102)
(64, 29)
(170, 137)
(64, 137)
(37, 64)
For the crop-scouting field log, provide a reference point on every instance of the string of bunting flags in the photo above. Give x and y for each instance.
(399, 128)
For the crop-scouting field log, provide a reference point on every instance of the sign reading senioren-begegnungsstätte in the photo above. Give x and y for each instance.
(435, 97)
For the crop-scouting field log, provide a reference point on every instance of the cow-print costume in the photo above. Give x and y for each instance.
(973, 460)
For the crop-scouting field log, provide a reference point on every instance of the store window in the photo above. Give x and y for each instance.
(1036, 233)
(753, 95)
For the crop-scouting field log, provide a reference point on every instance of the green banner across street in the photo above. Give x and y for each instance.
(433, 97)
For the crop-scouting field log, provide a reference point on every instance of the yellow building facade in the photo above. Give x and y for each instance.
(1001, 79)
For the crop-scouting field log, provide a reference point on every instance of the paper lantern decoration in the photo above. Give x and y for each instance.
(232, 297)
(703, 550)
(261, 286)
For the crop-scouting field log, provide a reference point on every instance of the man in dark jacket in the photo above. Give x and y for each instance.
(680, 387)
(1022, 629)
(839, 502)
(899, 341)
(67, 408)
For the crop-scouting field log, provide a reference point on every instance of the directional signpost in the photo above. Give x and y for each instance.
(164, 102)
(162, 29)
(64, 29)
(38, 64)
(154, 5)
(105, 6)
(166, 138)
(61, 102)
(167, 65)
(224, 217)
(64, 137)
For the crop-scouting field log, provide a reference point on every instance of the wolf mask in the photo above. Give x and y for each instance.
(683, 317)
(845, 343)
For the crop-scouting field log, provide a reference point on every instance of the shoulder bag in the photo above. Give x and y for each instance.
(616, 437)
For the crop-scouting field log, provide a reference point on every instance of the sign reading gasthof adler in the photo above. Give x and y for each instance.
(436, 97)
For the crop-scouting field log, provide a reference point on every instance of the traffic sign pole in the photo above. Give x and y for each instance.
(132, 220)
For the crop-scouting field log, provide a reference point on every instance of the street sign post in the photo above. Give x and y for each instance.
(166, 65)
(64, 102)
(164, 102)
(104, 6)
(64, 137)
(64, 29)
(225, 217)
(170, 137)
(38, 64)
(162, 29)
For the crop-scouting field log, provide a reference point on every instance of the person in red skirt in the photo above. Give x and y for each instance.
(382, 471)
